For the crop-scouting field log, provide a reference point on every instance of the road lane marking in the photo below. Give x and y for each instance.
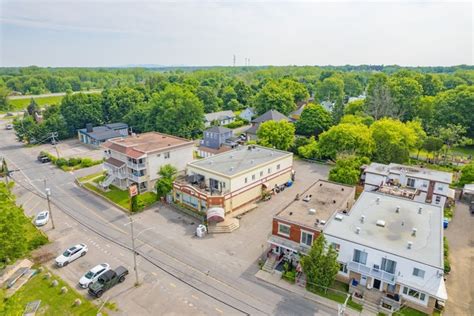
(220, 311)
(172, 284)
(195, 297)
(107, 245)
(154, 273)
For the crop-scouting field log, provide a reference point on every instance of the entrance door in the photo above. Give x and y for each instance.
(377, 284)
(363, 280)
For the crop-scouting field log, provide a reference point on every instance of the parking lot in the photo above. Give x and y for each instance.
(70, 148)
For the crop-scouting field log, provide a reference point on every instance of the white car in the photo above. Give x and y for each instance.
(9, 126)
(71, 254)
(93, 274)
(42, 218)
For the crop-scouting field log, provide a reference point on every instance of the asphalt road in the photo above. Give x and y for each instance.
(221, 289)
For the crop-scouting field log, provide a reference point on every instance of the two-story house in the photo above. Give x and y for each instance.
(419, 184)
(216, 140)
(391, 251)
(219, 118)
(270, 115)
(295, 228)
(137, 159)
(230, 183)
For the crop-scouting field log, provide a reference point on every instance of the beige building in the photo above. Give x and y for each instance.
(232, 181)
(137, 159)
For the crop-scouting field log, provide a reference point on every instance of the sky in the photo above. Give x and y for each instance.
(88, 33)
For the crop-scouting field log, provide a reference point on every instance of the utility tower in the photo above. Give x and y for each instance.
(234, 60)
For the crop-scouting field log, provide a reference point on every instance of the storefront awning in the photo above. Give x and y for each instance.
(215, 214)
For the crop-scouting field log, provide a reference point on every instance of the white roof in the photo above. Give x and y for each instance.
(410, 171)
(427, 245)
(469, 188)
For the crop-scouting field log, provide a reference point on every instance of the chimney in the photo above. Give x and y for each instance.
(410, 244)
(89, 128)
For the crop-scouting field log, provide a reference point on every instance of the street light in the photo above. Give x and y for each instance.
(133, 246)
(48, 194)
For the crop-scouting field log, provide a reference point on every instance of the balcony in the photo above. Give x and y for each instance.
(137, 178)
(136, 166)
(375, 273)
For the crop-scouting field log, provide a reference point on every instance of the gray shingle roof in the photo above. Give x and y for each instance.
(271, 115)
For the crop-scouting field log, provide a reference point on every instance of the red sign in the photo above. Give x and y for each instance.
(133, 190)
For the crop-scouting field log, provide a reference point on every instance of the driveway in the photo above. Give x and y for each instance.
(461, 246)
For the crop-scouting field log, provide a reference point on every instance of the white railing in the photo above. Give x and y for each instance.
(376, 273)
(136, 166)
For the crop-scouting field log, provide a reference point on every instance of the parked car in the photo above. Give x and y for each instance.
(93, 274)
(9, 126)
(108, 280)
(71, 254)
(42, 218)
(43, 158)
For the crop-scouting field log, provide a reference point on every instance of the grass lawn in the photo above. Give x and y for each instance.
(407, 311)
(52, 301)
(20, 104)
(337, 296)
(92, 177)
(120, 197)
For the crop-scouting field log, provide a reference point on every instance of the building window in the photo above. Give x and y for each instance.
(269, 170)
(306, 238)
(343, 268)
(253, 177)
(419, 273)
(159, 155)
(335, 246)
(284, 230)
(166, 155)
(440, 188)
(245, 179)
(278, 167)
(438, 199)
(410, 182)
(414, 293)
(360, 256)
(261, 174)
(388, 265)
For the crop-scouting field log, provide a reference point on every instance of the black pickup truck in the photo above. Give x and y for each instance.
(107, 281)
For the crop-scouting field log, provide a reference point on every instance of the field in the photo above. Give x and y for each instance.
(53, 302)
(20, 104)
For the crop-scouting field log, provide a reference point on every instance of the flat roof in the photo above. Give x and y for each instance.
(239, 159)
(324, 197)
(427, 244)
(410, 171)
(136, 146)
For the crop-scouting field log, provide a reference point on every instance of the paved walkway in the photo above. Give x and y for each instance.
(277, 281)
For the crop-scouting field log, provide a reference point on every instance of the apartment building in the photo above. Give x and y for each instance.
(391, 251)
(296, 226)
(137, 159)
(419, 184)
(232, 181)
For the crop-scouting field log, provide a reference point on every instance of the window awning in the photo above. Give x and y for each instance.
(284, 243)
(215, 214)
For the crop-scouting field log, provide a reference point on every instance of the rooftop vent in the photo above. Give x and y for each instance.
(413, 231)
(357, 230)
(380, 223)
(321, 184)
(362, 218)
(251, 161)
(311, 211)
(322, 222)
(419, 210)
(410, 244)
(342, 189)
(307, 198)
(333, 201)
(291, 213)
(377, 200)
(231, 168)
(397, 210)
(338, 217)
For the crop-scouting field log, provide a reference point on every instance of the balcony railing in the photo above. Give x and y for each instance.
(375, 273)
(136, 166)
(137, 178)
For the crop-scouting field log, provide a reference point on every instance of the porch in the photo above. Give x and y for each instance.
(384, 300)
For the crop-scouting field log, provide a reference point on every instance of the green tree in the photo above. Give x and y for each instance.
(243, 92)
(57, 123)
(117, 102)
(357, 119)
(176, 111)
(355, 107)
(207, 95)
(297, 89)
(346, 139)
(309, 150)
(379, 102)
(313, 121)
(273, 96)
(352, 86)
(80, 109)
(432, 144)
(467, 174)
(406, 93)
(164, 185)
(393, 141)
(432, 84)
(137, 118)
(32, 108)
(420, 133)
(279, 135)
(452, 136)
(4, 105)
(228, 94)
(348, 170)
(330, 89)
(320, 265)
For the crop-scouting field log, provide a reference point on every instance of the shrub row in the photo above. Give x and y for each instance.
(71, 163)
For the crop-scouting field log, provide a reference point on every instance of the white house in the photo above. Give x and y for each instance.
(222, 118)
(247, 114)
(137, 159)
(421, 184)
(391, 251)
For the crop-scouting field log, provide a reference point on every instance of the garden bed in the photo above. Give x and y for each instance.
(70, 164)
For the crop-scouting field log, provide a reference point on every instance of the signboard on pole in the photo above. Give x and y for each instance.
(133, 190)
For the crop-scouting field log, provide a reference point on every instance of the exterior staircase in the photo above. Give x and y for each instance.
(227, 226)
(107, 181)
(270, 263)
(370, 308)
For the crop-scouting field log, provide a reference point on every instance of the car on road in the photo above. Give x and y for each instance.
(108, 280)
(9, 126)
(42, 218)
(93, 275)
(71, 254)
(43, 158)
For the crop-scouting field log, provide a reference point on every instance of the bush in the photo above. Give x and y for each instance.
(60, 162)
(87, 162)
(74, 161)
(290, 276)
(237, 123)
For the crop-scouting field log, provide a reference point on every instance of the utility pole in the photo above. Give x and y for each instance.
(48, 194)
(4, 171)
(134, 252)
(234, 60)
(54, 135)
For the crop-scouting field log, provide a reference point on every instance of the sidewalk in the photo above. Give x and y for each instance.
(278, 282)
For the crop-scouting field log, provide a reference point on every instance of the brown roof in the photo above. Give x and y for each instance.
(114, 162)
(141, 144)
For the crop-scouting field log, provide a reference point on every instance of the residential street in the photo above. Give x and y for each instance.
(461, 247)
(180, 274)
